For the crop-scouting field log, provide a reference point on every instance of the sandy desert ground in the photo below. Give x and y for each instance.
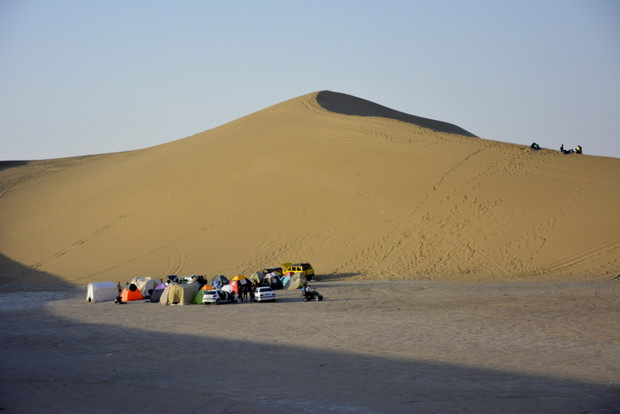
(369, 347)
(461, 274)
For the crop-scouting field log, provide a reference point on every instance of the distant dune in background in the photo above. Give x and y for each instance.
(355, 188)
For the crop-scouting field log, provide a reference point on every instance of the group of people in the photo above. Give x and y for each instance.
(246, 290)
(577, 150)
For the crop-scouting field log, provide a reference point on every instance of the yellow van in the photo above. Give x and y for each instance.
(304, 268)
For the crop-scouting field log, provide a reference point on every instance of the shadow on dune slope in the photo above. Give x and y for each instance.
(4, 165)
(350, 105)
(12, 272)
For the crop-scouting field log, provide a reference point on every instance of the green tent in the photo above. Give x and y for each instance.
(257, 278)
(297, 281)
(180, 294)
(199, 296)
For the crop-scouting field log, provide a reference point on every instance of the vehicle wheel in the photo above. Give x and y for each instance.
(320, 297)
(305, 299)
(217, 301)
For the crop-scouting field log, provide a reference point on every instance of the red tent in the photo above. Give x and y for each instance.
(239, 281)
(131, 293)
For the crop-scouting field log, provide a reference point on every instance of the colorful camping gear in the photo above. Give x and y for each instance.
(199, 296)
(156, 294)
(219, 281)
(131, 293)
(257, 277)
(273, 280)
(183, 294)
(239, 281)
(100, 291)
(145, 284)
(297, 281)
(286, 280)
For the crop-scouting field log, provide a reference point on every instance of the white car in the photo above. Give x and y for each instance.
(218, 296)
(264, 293)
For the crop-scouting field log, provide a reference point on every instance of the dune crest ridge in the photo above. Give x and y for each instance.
(360, 197)
(350, 105)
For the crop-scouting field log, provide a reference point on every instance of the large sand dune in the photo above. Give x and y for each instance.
(357, 189)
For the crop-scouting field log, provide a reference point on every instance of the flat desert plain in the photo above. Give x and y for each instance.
(460, 274)
(369, 347)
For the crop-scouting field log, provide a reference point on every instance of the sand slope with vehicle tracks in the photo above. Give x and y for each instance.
(357, 189)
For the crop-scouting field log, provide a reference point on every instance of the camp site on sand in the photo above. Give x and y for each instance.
(190, 289)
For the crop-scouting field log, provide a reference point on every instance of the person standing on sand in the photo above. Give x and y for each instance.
(240, 293)
(252, 289)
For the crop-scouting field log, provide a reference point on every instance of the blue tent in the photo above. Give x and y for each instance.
(219, 281)
(285, 280)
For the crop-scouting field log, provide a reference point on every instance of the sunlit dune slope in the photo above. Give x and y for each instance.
(355, 188)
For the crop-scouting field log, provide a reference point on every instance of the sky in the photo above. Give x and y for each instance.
(80, 77)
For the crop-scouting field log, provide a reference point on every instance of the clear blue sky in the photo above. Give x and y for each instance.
(85, 77)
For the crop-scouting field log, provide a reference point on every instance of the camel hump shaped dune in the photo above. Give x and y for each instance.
(358, 190)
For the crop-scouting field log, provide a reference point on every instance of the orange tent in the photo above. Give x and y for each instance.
(131, 293)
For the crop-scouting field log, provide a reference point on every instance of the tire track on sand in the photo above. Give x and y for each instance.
(456, 242)
(82, 241)
(410, 217)
(609, 248)
(175, 259)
